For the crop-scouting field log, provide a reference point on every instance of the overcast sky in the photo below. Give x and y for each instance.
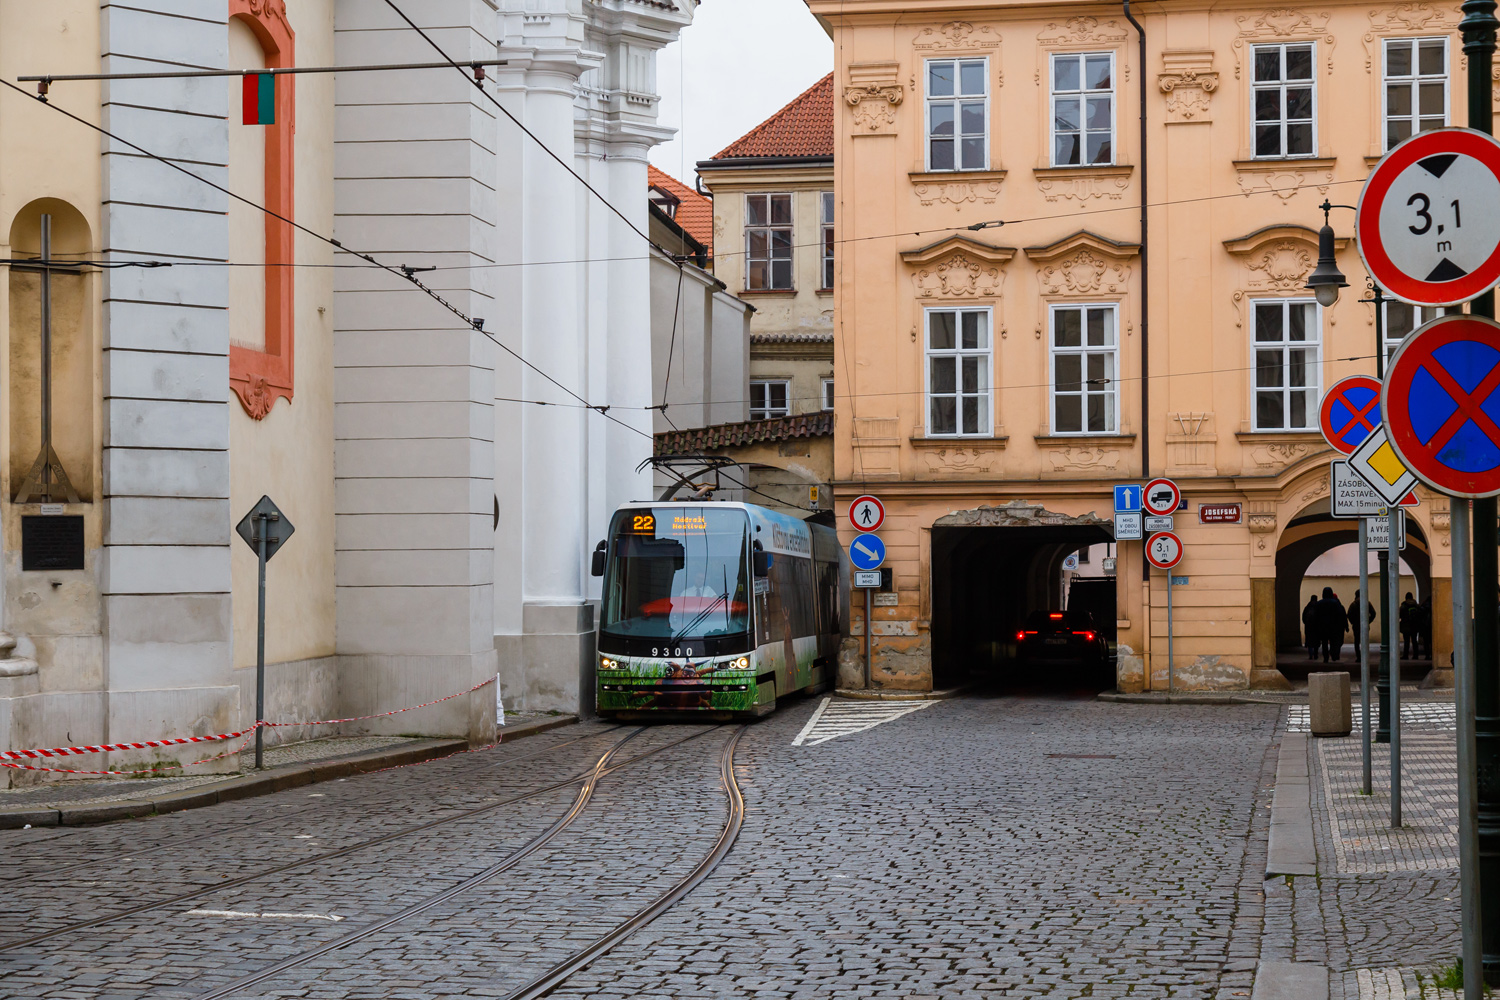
(739, 62)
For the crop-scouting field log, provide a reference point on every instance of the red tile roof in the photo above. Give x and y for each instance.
(699, 439)
(802, 128)
(695, 213)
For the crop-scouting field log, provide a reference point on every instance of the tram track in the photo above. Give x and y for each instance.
(561, 971)
(120, 856)
(734, 818)
(590, 777)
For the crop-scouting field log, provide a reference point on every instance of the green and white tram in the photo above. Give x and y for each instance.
(716, 608)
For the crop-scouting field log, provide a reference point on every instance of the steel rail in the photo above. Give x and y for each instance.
(733, 820)
(344, 851)
(222, 831)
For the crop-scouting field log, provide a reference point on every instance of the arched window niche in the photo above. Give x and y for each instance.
(261, 300)
(73, 352)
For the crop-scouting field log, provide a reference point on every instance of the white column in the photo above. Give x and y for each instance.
(631, 382)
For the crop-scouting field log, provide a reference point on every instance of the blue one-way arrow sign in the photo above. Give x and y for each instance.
(867, 552)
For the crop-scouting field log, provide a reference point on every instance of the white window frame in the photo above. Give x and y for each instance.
(986, 422)
(768, 228)
(1281, 88)
(954, 101)
(1420, 315)
(1414, 79)
(826, 223)
(828, 397)
(1083, 93)
(767, 411)
(1314, 388)
(1083, 350)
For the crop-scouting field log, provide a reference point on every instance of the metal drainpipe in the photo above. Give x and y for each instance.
(1145, 281)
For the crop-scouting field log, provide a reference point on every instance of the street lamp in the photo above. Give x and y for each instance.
(1326, 279)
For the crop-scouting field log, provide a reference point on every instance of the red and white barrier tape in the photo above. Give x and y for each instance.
(8, 758)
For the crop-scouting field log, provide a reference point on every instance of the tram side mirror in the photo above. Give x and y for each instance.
(762, 560)
(598, 567)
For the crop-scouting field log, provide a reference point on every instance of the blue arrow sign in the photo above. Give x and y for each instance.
(867, 552)
(1127, 499)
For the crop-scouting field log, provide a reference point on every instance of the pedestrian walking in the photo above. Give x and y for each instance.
(1333, 622)
(1310, 626)
(1408, 612)
(1359, 636)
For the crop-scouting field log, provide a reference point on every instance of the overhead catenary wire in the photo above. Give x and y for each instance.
(404, 273)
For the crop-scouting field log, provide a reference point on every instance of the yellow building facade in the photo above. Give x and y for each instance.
(1002, 379)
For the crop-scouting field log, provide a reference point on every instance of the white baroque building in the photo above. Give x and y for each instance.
(444, 518)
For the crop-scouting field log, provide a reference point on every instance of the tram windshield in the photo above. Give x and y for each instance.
(678, 573)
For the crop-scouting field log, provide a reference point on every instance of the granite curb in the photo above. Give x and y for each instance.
(244, 786)
(880, 695)
(1204, 698)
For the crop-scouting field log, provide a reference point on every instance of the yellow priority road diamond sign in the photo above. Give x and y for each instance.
(1376, 462)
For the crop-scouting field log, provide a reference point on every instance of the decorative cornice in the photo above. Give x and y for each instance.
(1251, 242)
(934, 251)
(1080, 240)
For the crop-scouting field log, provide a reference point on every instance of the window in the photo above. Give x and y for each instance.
(957, 114)
(1083, 109)
(1286, 364)
(1401, 318)
(1084, 357)
(828, 394)
(768, 398)
(1416, 87)
(1283, 100)
(768, 241)
(827, 202)
(958, 372)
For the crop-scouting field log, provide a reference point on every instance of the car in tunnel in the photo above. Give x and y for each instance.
(1067, 636)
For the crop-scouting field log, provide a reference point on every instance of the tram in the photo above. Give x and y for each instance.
(716, 609)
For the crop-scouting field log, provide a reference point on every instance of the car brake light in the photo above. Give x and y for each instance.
(1020, 636)
(1055, 615)
(1087, 635)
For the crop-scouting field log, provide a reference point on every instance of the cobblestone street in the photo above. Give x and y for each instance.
(1037, 846)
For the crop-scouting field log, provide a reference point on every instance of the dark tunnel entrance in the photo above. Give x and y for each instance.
(987, 580)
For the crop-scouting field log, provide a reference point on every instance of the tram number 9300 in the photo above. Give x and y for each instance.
(668, 651)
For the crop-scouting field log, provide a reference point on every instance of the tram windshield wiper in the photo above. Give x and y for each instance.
(698, 619)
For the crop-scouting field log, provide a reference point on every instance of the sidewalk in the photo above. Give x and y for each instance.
(1381, 914)
(80, 801)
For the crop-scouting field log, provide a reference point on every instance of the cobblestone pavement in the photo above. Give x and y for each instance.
(1015, 846)
(1386, 900)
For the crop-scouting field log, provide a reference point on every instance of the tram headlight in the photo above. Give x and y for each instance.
(609, 664)
(742, 663)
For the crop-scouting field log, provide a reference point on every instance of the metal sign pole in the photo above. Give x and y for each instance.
(1468, 790)
(1171, 665)
(869, 637)
(1393, 555)
(262, 523)
(1364, 647)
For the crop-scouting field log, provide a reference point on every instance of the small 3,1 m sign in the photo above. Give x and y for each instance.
(1219, 513)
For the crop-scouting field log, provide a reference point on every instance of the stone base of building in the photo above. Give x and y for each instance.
(1268, 679)
(550, 666)
(370, 684)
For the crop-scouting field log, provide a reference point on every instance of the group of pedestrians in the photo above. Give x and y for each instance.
(1325, 623)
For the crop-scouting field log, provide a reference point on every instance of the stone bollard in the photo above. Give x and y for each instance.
(1329, 705)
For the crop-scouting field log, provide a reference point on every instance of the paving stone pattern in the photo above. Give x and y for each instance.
(1017, 847)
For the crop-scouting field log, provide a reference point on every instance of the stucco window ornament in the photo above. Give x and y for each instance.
(1283, 22)
(959, 463)
(1084, 183)
(1084, 459)
(957, 277)
(1283, 183)
(956, 193)
(874, 107)
(1082, 31)
(1407, 19)
(956, 35)
(1188, 80)
(1277, 259)
(1084, 273)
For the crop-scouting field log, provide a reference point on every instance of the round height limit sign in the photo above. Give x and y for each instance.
(1429, 217)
